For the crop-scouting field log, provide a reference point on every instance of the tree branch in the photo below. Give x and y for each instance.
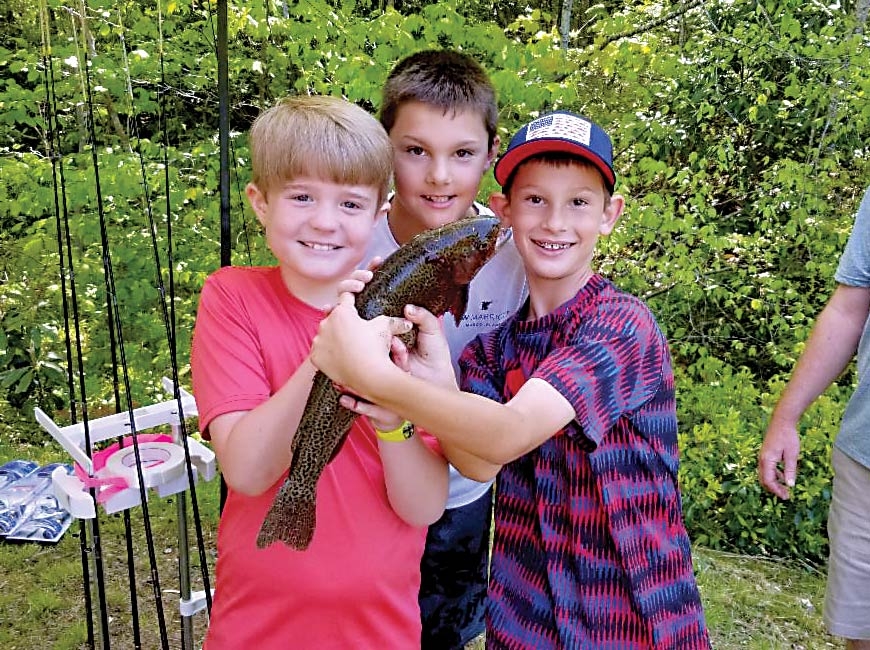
(653, 23)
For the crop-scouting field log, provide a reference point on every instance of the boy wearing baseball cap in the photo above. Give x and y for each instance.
(573, 406)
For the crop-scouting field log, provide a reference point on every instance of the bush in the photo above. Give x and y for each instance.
(740, 143)
(723, 417)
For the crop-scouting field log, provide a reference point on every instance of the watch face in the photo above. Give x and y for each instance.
(408, 430)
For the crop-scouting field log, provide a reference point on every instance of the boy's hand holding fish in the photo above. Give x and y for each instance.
(430, 359)
(354, 352)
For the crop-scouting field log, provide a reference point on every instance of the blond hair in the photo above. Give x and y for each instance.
(321, 137)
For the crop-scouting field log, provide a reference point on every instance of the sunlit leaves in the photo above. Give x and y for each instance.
(739, 128)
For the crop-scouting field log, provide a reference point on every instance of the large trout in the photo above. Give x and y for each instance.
(432, 270)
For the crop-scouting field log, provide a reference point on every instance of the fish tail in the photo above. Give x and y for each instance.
(289, 520)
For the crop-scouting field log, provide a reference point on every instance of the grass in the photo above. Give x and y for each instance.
(753, 602)
(42, 603)
(750, 602)
(42, 595)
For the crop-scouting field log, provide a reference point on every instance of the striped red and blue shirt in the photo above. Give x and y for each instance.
(590, 549)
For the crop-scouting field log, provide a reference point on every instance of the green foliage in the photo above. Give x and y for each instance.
(750, 165)
(722, 415)
(32, 375)
(740, 132)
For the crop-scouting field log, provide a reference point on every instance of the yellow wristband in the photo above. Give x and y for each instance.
(399, 434)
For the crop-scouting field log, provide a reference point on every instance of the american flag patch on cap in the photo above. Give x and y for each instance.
(561, 125)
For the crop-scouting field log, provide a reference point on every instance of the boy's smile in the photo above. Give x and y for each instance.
(439, 158)
(557, 212)
(317, 230)
(553, 246)
(318, 247)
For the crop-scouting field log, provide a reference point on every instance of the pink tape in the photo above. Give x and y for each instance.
(110, 485)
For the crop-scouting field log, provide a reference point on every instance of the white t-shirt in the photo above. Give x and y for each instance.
(497, 291)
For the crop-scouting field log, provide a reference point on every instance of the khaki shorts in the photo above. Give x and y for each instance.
(847, 597)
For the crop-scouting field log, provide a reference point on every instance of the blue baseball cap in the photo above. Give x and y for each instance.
(559, 132)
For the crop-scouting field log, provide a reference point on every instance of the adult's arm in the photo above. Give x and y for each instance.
(829, 349)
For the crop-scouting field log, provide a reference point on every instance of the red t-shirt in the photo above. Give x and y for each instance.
(356, 585)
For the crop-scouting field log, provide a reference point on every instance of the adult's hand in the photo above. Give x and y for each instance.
(777, 459)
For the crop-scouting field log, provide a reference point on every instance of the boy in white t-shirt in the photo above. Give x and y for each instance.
(440, 111)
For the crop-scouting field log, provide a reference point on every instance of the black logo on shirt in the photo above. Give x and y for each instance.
(484, 305)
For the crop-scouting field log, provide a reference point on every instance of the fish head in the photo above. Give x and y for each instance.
(432, 270)
(461, 249)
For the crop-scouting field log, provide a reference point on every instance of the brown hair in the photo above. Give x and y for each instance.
(446, 79)
(320, 136)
